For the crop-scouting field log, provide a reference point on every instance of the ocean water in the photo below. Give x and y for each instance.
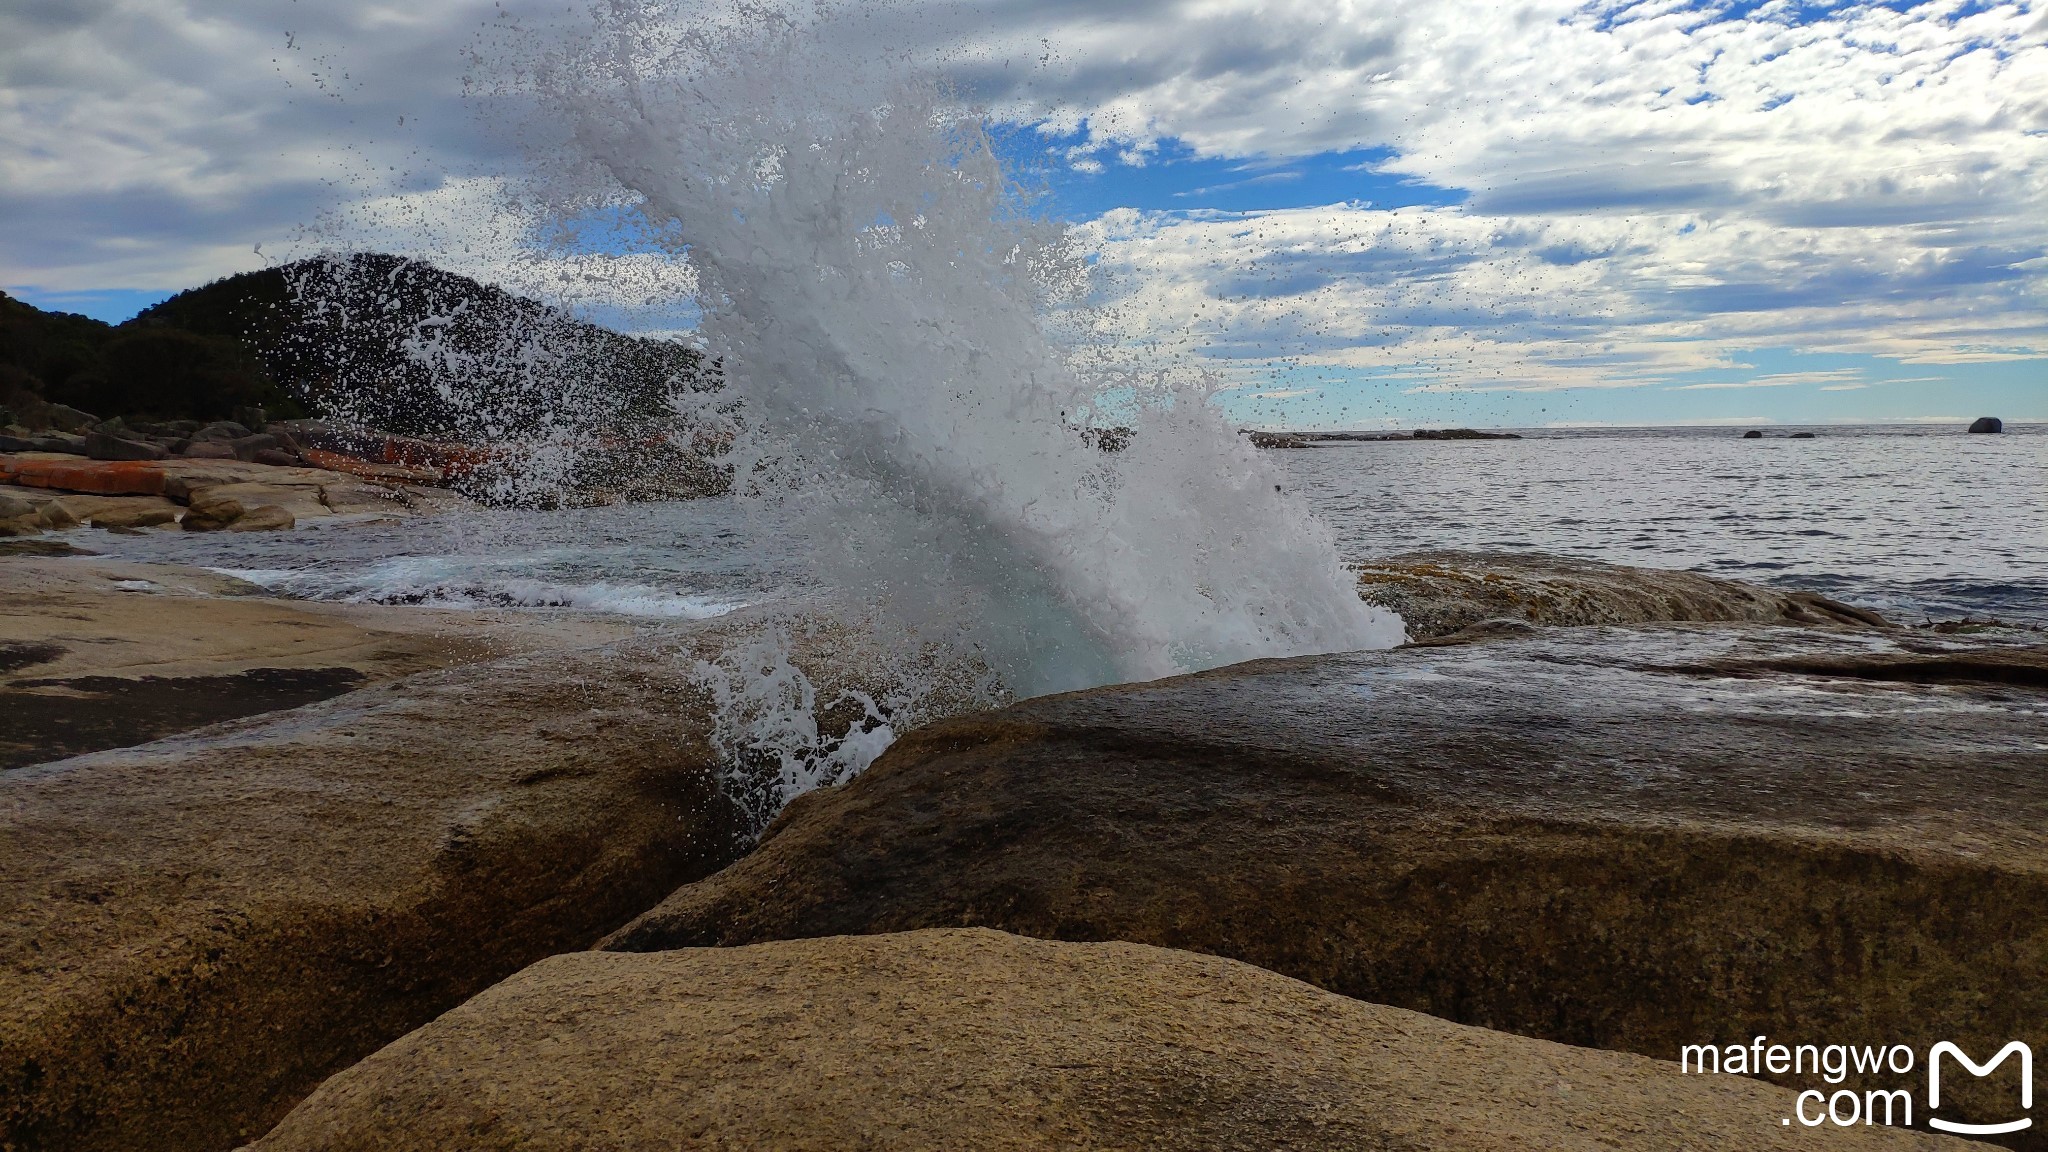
(1920, 523)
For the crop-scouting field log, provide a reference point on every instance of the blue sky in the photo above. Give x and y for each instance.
(1358, 213)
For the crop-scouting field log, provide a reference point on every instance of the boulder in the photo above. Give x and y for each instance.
(967, 1038)
(1752, 435)
(14, 507)
(69, 474)
(106, 446)
(1462, 434)
(264, 518)
(223, 430)
(1625, 839)
(208, 450)
(1441, 592)
(1800, 436)
(121, 511)
(1987, 424)
(347, 497)
(301, 500)
(65, 418)
(196, 932)
(274, 457)
(246, 447)
(210, 509)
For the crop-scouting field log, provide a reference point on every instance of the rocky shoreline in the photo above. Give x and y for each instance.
(1469, 893)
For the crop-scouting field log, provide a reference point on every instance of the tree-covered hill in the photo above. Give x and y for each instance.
(370, 340)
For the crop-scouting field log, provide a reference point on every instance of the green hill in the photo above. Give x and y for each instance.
(370, 340)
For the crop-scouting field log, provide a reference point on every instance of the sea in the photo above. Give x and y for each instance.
(1922, 523)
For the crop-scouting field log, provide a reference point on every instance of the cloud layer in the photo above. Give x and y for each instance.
(1643, 190)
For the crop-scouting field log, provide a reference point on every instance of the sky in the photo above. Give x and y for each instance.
(1519, 213)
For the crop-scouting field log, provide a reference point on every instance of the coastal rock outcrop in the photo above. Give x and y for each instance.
(1987, 424)
(1632, 839)
(975, 1039)
(196, 932)
(1438, 593)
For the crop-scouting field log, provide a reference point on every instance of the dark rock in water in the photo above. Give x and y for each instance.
(1277, 440)
(1987, 424)
(1463, 434)
(1752, 435)
(1628, 839)
(1800, 436)
(196, 932)
(105, 446)
(971, 1039)
(1443, 592)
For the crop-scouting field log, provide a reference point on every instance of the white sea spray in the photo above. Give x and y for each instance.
(881, 303)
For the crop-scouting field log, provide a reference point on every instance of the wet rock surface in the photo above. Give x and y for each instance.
(975, 1039)
(1626, 839)
(197, 931)
(1441, 592)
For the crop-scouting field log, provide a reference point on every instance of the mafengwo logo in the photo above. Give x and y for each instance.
(1846, 1107)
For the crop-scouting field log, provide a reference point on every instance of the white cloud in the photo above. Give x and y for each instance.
(1655, 189)
(1836, 379)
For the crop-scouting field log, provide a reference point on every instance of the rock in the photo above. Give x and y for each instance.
(105, 446)
(1987, 424)
(356, 497)
(121, 511)
(274, 457)
(57, 517)
(153, 518)
(1626, 839)
(1800, 436)
(65, 418)
(1442, 592)
(967, 1038)
(1752, 435)
(19, 444)
(301, 500)
(264, 518)
(1462, 434)
(208, 450)
(197, 932)
(246, 447)
(1277, 440)
(211, 509)
(222, 430)
(102, 478)
(14, 507)
(255, 419)
(350, 465)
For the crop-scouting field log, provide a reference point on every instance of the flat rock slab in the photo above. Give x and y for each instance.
(1625, 839)
(98, 654)
(975, 1039)
(195, 932)
(1441, 592)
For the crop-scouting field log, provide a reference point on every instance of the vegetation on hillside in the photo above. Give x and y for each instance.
(370, 340)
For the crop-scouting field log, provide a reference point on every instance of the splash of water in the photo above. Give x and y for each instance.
(881, 302)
